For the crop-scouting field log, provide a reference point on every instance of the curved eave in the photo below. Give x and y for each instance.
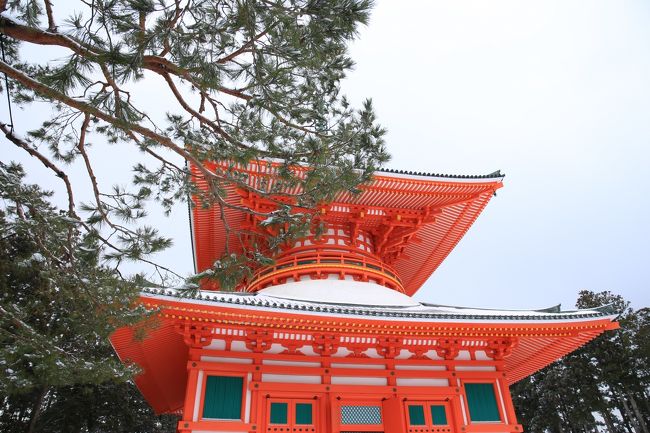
(161, 357)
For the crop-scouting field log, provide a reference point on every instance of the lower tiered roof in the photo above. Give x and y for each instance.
(534, 338)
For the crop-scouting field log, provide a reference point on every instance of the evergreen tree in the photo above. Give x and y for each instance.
(240, 80)
(58, 306)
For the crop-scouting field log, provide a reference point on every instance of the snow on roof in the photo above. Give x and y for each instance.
(340, 292)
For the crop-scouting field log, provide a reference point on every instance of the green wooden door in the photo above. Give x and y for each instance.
(291, 415)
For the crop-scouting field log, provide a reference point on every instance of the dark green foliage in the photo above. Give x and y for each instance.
(110, 407)
(603, 386)
(58, 306)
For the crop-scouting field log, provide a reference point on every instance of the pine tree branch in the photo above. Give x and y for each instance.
(124, 125)
(33, 35)
(89, 110)
(152, 63)
(46, 162)
(81, 146)
(51, 26)
(246, 46)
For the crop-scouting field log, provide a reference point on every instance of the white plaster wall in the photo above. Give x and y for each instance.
(287, 378)
(216, 344)
(226, 360)
(239, 346)
(481, 355)
(290, 363)
(475, 368)
(421, 367)
(423, 381)
(433, 355)
(360, 366)
(347, 380)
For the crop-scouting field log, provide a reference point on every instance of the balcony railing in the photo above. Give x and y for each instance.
(320, 264)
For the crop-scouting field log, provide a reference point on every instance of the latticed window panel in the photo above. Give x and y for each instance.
(369, 415)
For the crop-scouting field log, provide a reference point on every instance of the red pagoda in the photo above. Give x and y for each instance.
(329, 339)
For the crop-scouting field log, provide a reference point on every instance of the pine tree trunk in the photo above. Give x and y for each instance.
(608, 420)
(604, 412)
(36, 410)
(630, 416)
(637, 412)
(626, 420)
(646, 401)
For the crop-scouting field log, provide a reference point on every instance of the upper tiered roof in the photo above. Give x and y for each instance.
(415, 219)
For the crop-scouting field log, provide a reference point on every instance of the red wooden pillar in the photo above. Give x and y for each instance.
(393, 418)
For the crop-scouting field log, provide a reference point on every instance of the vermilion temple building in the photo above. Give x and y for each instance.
(329, 338)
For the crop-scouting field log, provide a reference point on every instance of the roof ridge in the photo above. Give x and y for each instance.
(494, 175)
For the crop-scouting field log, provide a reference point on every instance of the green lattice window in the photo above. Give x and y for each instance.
(416, 415)
(482, 402)
(223, 397)
(279, 413)
(438, 415)
(304, 414)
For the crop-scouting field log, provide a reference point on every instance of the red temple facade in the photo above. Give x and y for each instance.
(329, 338)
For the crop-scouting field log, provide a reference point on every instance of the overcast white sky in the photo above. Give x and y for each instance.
(556, 94)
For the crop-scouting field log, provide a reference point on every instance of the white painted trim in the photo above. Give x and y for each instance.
(503, 403)
(462, 403)
(247, 410)
(197, 396)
